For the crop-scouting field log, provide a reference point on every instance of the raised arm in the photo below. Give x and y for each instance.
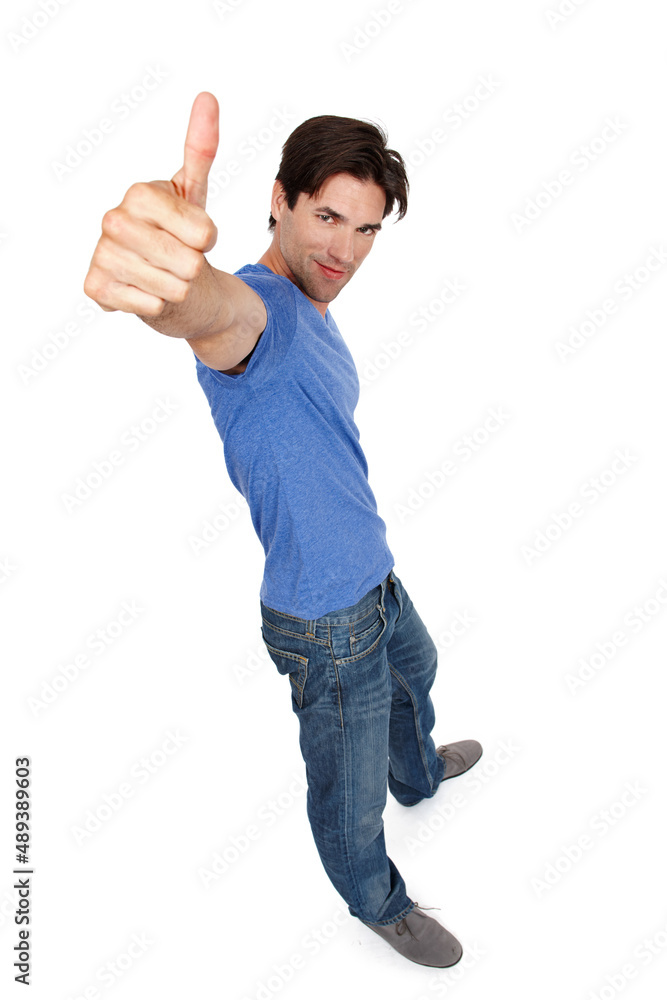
(150, 258)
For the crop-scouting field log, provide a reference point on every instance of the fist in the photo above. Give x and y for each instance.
(153, 244)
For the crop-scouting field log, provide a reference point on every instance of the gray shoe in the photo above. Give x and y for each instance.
(421, 939)
(459, 757)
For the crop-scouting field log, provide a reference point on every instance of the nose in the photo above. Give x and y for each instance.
(341, 247)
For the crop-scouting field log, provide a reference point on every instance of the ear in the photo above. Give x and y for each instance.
(278, 201)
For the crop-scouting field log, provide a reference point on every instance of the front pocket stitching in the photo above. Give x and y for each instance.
(303, 660)
(362, 635)
(290, 656)
(294, 635)
(360, 656)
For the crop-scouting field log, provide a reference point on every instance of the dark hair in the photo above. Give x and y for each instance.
(329, 144)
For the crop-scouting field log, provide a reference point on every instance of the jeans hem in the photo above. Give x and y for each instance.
(394, 920)
(422, 798)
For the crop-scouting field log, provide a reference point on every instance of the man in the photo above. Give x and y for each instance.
(282, 387)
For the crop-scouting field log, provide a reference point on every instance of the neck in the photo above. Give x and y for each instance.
(274, 260)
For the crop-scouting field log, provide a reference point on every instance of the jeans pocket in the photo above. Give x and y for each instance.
(366, 632)
(292, 664)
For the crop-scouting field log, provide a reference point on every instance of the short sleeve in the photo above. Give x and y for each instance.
(277, 294)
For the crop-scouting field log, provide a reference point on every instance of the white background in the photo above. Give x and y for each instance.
(491, 849)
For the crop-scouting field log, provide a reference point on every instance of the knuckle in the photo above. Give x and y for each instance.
(137, 191)
(155, 308)
(203, 228)
(195, 265)
(103, 256)
(95, 288)
(91, 285)
(210, 232)
(180, 292)
(111, 222)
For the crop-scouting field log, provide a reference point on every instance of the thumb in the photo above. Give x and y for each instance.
(201, 145)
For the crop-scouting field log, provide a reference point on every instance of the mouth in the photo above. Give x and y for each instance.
(329, 272)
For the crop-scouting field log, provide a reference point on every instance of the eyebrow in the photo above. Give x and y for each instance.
(325, 210)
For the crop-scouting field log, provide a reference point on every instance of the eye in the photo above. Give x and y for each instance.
(326, 216)
(367, 230)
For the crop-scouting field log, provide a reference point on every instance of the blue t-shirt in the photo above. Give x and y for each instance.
(292, 450)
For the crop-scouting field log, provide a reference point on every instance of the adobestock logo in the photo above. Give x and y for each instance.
(643, 955)
(453, 119)
(566, 8)
(98, 641)
(463, 450)
(121, 109)
(36, 22)
(140, 773)
(239, 844)
(7, 569)
(438, 814)
(635, 621)
(254, 662)
(115, 968)
(131, 440)
(58, 341)
(625, 288)
(442, 982)
(215, 526)
(370, 369)
(363, 35)
(457, 627)
(222, 7)
(310, 945)
(581, 158)
(592, 490)
(220, 178)
(599, 826)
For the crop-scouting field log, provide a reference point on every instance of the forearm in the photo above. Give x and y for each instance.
(206, 311)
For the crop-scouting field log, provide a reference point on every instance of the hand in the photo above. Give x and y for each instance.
(152, 246)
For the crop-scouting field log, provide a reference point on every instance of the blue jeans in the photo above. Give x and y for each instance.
(360, 679)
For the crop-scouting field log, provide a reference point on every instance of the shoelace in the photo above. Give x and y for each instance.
(403, 926)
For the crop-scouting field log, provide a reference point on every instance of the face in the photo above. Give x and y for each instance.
(324, 240)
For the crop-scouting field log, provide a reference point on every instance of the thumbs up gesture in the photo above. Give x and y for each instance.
(201, 145)
(152, 247)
